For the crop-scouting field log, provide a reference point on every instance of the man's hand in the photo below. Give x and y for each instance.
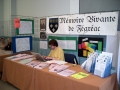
(44, 56)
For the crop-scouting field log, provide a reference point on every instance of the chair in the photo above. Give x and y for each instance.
(70, 58)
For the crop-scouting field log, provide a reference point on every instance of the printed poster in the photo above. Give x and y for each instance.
(43, 24)
(87, 45)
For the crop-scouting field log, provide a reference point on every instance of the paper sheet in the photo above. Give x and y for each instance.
(56, 62)
(66, 72)
(59, 68)
(25, 27)
(42, 65)
(33, 63)
(43, 44)
(11, 57)
(103, 64)
(25, 61)
(22, 44)
(79, 75)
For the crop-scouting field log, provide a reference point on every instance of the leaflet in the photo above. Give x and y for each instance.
(11, 57)
(25, 61)
(42, 65)
(56, 62)
(22, 57)
(33, 63)
(53, 65)
(59, 68)
(66, 72)
(103, 65)
(89, 64)
(80, 75)
(15, 59)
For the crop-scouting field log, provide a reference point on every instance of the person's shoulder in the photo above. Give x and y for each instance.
(60, 48)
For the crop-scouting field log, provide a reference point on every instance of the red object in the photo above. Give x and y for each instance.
(83, 45)
(17, 23)
(79, 46)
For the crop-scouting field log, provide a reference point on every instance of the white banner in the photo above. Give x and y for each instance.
(88, 24)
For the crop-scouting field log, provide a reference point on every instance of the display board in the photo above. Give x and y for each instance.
(87, 45)
(66, 43)
(21, 43)
(26, 27)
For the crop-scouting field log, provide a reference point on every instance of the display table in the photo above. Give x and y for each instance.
(3, 54)
(28, 78)
(45, 80)
(19, 75)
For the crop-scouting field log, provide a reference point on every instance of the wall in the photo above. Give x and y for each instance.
(74, 6)
(13, 7)
(1, 17)
(7, 10)
(7, 17)
(1, 10)
(99, 5)
(41, 8)
(111, 46)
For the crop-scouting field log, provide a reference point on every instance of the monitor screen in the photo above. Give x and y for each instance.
(21, 43)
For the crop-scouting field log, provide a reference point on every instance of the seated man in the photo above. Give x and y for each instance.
(2, 43)
(9, 45)
(56, 52)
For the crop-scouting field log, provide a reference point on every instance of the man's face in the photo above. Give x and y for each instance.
(52, 47)
(2, 40)
(9, 40)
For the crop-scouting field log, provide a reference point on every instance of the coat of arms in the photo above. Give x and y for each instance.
(53, 24)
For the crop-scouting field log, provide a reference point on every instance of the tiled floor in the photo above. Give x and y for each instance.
(6, 86)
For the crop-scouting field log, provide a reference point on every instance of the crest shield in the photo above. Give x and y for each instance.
(53, 24)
